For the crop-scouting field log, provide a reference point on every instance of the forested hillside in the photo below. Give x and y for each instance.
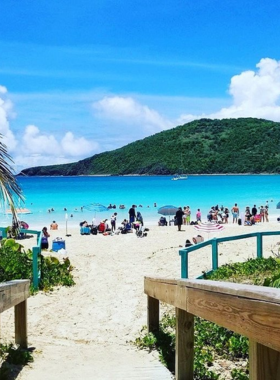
(244, 145)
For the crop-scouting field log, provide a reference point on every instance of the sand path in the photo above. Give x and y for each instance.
(85, 332)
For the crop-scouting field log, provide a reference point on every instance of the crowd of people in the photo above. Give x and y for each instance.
(221, 214)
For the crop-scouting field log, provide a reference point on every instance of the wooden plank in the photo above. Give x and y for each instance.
(254, 319)
(261, 293)
(13, 293)
(163, 291)
(264, 362)
(184, 345)
(153, 314)
(21, 324)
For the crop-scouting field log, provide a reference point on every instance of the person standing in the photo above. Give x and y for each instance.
(198, 215)
(266, 213)
(113, 221)
(132, 214)
(262, 213)
(179, 217)
(44, 240)
(235, 213)
(188, 214)
(254, 210)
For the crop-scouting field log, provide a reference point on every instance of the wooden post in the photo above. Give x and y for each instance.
(21, 324)
(153, 314)
(184, 345)
(264, 362)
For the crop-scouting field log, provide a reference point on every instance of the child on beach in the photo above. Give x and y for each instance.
(198, 215)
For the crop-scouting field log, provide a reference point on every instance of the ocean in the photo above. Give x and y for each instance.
(76, 194)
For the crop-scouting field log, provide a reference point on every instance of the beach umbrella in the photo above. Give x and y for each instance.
(96, 208)
(209, 227)
(167, 210)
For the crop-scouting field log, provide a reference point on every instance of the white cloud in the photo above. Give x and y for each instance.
(132, 113)
(77, 147)
(5, 112)
(254, 93)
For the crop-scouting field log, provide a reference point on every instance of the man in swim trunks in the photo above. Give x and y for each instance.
(235, 213)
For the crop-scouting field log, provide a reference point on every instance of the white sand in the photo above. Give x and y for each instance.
(82, 332)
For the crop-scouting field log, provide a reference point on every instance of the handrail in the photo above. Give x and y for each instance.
(253, 311)
(15, 293)
(36, 251)
(214, 242)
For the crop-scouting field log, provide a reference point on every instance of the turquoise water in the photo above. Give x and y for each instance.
(72, 193)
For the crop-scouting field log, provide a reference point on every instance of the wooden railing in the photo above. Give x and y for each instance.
(252, 311)
(184, 253)
(15, 294)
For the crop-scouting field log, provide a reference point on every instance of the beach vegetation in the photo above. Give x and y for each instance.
(217, 350)
(16, 263)
(205, 146)
(12, 359)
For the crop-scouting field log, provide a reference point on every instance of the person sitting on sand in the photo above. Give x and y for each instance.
(54, 225)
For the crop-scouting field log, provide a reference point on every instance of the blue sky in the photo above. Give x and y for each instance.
(80, 78)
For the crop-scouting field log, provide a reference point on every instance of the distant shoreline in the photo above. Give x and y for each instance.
(148, 175)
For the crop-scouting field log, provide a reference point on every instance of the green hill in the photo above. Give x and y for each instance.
(205, 146)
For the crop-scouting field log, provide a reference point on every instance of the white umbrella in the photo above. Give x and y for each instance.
(209, 227)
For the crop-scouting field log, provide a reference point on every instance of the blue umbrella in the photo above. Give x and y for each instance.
(167, 210)
(96, 207)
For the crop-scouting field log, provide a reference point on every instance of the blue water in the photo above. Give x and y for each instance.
(44, 193)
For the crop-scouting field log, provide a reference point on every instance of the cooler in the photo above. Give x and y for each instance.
(58, 244)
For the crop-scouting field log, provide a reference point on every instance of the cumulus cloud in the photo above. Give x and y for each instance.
(129, 111)
(35, 147)
(77, 146)
(5, 112)
(254, 94)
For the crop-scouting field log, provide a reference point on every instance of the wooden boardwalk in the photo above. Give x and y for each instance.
(93, 362)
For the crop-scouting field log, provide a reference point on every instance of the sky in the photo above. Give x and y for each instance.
(79, 78)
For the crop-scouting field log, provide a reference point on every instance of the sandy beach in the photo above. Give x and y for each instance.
(84, 332)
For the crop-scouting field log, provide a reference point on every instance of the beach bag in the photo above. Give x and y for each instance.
(239, 221)
(94, 230)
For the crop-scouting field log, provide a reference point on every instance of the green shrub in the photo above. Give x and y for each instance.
(16, 263)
